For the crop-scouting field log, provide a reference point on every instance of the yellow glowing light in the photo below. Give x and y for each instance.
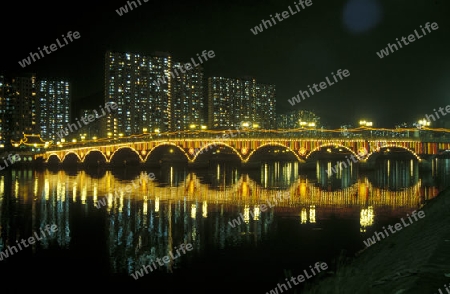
(303, 216)
(256, 213)
(205, 209)
(366, 218)
(312, 214)
(193, 211)
(246, 214)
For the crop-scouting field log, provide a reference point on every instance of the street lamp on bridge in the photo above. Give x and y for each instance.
(365, 123)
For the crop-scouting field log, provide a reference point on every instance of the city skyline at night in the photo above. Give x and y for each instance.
(292, 54)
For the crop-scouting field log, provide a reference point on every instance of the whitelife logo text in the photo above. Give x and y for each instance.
(53, 47)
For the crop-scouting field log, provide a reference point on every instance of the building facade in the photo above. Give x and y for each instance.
(54, 107)
(298, 119)
(232, 101)
(154, 94)
(19, 107)
(187, 98)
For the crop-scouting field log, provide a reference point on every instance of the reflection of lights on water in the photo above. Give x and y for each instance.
(156, 204)
(121, 203)
(205, 209)
(218, 172)
(246, 214)
(35, 188)
(83, 194)
(412, 168)
(109, 202)
(312, 214)
(95, 192)
(144, 209)
(265, 176)
(193, 210)
(16, 188)
(366, 218)
(256, 213)
(46, 189)
(303, 216)
(74, 192)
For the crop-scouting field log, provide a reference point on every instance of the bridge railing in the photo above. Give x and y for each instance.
(427, 135)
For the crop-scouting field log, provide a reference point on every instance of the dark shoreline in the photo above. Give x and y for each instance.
(414, 260)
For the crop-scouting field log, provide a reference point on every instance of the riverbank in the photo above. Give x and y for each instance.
(414, 260)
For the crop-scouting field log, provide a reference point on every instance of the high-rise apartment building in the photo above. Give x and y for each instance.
(141, 104)
(54, 106)
(297, 119)
(19, 107)
(232, 101)
(153, 93)
(187, 98)
(5, 95)
(265, 106)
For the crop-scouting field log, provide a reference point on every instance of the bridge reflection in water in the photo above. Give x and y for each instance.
(196, 207)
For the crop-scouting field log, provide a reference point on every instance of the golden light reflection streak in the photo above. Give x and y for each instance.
(303, 216)
(16, 188)
(218, 172)
(256, 212)
(366, 218)
(95, 192)
(74, 192)
(157, 204)
(205, 209)
(35, 188)
(2, 187)
(145, 209)
(246, 214)
(266, 180)
(58, 190)
(121, 200)
(46, 189)
(312, 214)
(193, 211)
(83, 194)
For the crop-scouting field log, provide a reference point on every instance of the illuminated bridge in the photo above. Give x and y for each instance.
(248, 147)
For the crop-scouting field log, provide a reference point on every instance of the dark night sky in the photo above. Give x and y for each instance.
(299, 51)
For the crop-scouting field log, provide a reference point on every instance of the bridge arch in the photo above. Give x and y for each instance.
(395, 146)
(273, 144)
(52, 155)
(207, 146)
(97, 151)
(68, 153)
(165, 144)
(123, 148)
(334, 145)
